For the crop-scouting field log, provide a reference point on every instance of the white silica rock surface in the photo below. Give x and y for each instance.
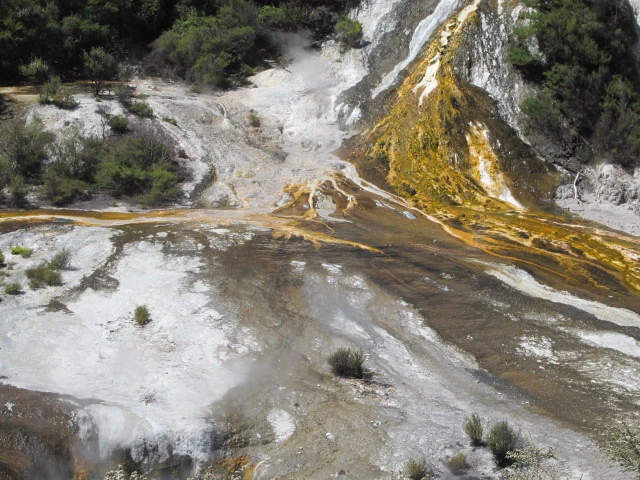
(152, 383)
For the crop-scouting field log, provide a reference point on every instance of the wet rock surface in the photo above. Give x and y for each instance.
(243, 322)
(511, 314)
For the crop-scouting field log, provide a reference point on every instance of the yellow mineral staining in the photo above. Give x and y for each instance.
(293, 230)
(429, 82)
(426, 147)
(440, 148)
(485, 165)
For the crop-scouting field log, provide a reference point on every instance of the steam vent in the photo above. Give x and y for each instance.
(323, 239)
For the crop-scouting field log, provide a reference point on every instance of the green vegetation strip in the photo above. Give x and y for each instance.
(587, 74)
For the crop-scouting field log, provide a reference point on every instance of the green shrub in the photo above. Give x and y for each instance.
(124, 93)
(100, 67)
(13, 289)
(622, 444)
(172, 121)
(49, 90)
(119, 124)
(140, 109)
(141, 315)
(43, 275)
(1, 258)
(76, 156)
(24, 252)
(346, 362)
(51, 93)
(164, 187)
(473, 428)
(349, 33)
(25, 148)
(213, 49)
(417, 469)
(37, 70)
(61, 190)
(586, 57)
(501, 440)
(527, 464)
(254, 120)
(19, 190)
(65, 99)
(141, 165)
(520, 56)
(458, 464)
(61, 260)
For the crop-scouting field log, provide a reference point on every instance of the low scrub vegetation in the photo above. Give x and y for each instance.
(52, 93)
(118, 124)
(254, 120)
(141, 315)
(529, 463)
(622, 444)
(13, 288)
(24, 252)
(48, 272)
(61, 260)
(140, 109)
(24, 149)
(347, 362)
(140, 163)
(1, 258)
(417, 469)
(501, 440)
(349, 33)
(44, 275)
(458, 464)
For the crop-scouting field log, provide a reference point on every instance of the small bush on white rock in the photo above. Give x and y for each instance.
(417, 469)
(347, 362)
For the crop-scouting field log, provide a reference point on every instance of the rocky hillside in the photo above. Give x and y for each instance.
(462, 112)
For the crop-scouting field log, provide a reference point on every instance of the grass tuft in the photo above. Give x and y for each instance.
(473, 428)
(13, 289)
(501, 440)
(417, 469)
(24, 252)
(458, 464)
(44, 275)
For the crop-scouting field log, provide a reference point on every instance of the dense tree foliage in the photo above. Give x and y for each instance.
(588, 75)
(60, 32)
(211, 41)
(219, 43)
